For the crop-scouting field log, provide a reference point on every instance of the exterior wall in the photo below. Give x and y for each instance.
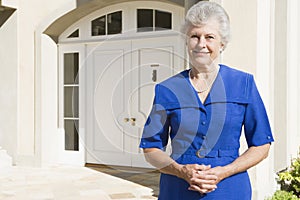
(50, 137)
(293, 83)
(8, 85)
(240, 52)
(28, 150)
(280, 83)
(286, 82)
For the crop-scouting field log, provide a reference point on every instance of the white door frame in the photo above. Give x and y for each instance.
(80, 45)
(66, 156)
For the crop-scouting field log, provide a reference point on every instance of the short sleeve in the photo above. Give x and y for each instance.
(256, 123)
(156, 129)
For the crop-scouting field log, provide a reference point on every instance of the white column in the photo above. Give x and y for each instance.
(293, 19)
(280, 85)
(298, 111)
(264, 182)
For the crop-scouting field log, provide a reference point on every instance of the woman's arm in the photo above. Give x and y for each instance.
(248, 159)
(192, 173)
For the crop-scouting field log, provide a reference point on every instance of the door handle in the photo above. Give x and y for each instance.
(133, 120)
(154, 75)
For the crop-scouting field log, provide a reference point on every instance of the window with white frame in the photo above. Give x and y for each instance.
(107, 24)
(153, 20)
(71, 101)
(75, 34)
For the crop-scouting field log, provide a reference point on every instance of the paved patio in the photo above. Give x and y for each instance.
(67, 183)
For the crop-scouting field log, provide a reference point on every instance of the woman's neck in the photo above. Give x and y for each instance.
(204, 73)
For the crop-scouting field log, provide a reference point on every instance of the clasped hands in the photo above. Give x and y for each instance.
(202, 178)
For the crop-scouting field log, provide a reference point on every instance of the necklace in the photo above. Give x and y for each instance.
(205, 80)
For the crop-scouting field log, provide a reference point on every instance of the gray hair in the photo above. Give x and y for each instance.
(203, 11)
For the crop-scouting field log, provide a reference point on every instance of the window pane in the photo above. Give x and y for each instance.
(98, 26)
(71, 66)
(71, 106)
(163, 20)
(75, 34)
(144, 20)
(71, 135)
(114, 23)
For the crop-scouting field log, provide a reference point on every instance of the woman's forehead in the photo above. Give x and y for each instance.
(204, 28)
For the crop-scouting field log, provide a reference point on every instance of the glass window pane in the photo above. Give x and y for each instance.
(163, 20)
(75, 34)
(144, 20)
(71, 135)
(71, 66)
(114, 23)
(98, 26)
(71, 106)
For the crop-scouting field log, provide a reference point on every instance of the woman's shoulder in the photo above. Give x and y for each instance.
(230, 71)
(237, 82)
(176, 92)
(174, 83)
(178, 77)
(235, 77)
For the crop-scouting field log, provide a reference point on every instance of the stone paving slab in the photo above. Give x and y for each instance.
(67, 183)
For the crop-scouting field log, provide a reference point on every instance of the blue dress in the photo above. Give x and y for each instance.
(207, 133)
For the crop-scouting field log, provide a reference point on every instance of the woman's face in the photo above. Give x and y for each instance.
(204, 44)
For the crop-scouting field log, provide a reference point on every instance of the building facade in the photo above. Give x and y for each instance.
(77, 76)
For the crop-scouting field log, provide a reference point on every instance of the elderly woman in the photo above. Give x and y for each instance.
(203, 111)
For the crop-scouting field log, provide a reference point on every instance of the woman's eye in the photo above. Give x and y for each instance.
(195, 36)
(210, 37)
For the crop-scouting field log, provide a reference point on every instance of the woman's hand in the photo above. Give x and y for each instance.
(198, 178)
(192, 173)
(209, 177)
(219, 172)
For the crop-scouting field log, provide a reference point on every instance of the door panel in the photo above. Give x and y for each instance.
(104, 80)
(156, 60)
(121, 76)
(106, 136)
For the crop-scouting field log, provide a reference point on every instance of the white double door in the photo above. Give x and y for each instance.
(120, 80)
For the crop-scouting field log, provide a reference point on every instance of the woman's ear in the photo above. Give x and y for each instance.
(222, 48)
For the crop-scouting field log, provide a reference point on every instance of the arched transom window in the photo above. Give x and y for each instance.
(138, 18)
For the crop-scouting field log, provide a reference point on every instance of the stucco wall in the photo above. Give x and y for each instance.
(30, 17)
(241, 51)
(8, 85)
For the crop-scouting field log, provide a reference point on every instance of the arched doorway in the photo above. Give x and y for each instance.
(109, 63)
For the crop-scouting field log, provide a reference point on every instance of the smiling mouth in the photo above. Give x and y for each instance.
(200, 52)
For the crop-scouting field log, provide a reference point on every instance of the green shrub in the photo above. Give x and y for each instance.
(283, 195)
(289, 181)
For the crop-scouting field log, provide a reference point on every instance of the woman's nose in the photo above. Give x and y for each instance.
(202, 42)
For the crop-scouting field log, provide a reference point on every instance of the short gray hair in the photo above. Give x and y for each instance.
(202, 11)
